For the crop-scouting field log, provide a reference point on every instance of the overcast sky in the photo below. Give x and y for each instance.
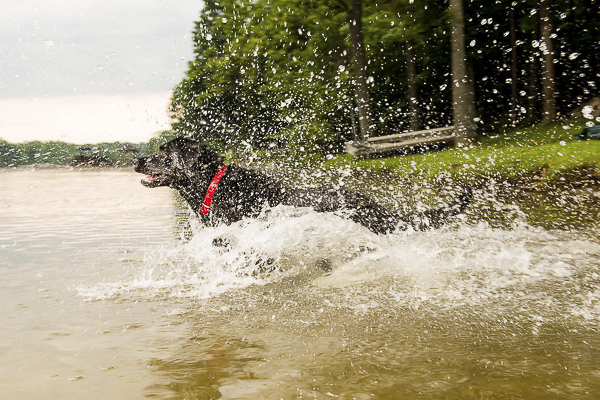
(87, 71)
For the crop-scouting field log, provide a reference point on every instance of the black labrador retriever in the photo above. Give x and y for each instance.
(225, 194)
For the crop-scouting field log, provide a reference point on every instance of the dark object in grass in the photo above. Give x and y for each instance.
(590, 132)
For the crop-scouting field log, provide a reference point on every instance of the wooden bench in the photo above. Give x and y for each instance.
(381, 144)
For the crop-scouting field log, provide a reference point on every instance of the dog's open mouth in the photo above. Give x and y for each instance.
(153, 180)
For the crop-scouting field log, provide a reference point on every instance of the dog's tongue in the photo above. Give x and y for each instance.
(148, 179)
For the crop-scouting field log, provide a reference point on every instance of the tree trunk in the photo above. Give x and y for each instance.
(514, 65)
(411, 75)
(462, 99)
(533, 87)
(363, 102)
(548, 76)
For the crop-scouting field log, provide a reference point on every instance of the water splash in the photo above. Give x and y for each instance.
(282, 242)
(521, 270)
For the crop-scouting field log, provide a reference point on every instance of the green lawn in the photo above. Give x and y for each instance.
(548, 151)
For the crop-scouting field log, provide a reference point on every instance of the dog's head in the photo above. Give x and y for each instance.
(177, 162)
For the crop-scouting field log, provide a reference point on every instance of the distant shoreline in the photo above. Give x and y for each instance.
(68, 168)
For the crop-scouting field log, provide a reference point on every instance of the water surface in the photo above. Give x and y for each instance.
(106, 291)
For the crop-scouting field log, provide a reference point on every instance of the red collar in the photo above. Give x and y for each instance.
(211, 189)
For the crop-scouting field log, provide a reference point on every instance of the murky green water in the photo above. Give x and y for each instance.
(106, 292)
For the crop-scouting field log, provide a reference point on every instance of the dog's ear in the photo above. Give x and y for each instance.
(189, 150)
(196, 155)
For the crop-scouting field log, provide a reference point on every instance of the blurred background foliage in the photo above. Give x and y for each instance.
(267, 69)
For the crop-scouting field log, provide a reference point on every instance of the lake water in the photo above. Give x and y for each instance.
(108, 291)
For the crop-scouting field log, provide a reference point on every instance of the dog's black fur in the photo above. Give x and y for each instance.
(189, 166)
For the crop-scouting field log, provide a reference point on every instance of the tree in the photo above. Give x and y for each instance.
(462, 91)
(514, 67)
(363, 101)
(407, 50)
(548, 75)
(262, 67)
(412, 78)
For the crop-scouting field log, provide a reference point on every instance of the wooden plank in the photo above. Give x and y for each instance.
(409, 143)
(400, 141)
(356, 149)
(429, 132)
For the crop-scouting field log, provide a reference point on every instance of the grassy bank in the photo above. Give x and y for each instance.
(544, 152)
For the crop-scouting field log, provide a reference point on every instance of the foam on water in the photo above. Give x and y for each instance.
(284, 241)
(461, 265)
